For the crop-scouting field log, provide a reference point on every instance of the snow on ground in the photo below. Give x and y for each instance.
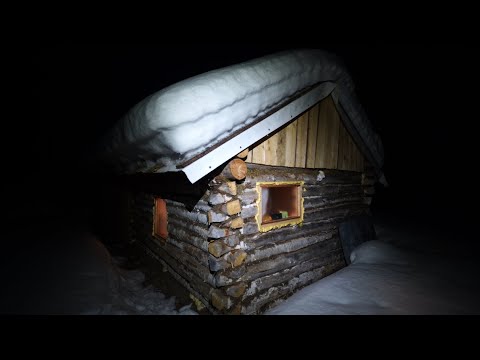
(127, 293)
(185, 118)
(59, 269)
(396, 274)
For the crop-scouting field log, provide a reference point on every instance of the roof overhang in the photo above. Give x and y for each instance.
(220, 154)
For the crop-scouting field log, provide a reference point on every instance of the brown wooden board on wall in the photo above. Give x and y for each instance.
(315, 139)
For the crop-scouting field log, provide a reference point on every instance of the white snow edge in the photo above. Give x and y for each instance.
(186, 118)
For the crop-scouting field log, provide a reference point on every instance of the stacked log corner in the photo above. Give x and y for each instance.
(224, 236)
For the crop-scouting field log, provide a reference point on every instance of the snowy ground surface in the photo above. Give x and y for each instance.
(403, 272)
(47, 270)
(70, 271)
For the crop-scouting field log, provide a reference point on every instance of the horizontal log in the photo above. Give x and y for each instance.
(284, 261)
(327, 202)
(216, 216)
(236, 290)
(251, 183)
(334, 213)
(222, 212)
(237, 257)
(229, 276)
(260, 302)
(197, 229)
(218, 248)
(249, 211)
(202, 205)
(221, 301)
(229, 187)
(218, 198)
(200, 270)
(290, 246)
(181, 198)
(251, 180)
(236, 169)
(184, 233)
(186, 272)
(250, 228)
(259, 284)
(248, 196)
(202, 294)
(200, 255)
(259, 240)
(340, 177)
(331, 190)
(232, 240)
(199, 208)
(232, 207)
(182, 212)
(216, 264)
(309, 176)
(216, 232)
(276, 173)
(236, 223)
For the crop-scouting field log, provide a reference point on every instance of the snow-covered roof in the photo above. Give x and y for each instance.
(199, 123)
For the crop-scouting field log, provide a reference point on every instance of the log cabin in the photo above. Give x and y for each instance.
(240, 179)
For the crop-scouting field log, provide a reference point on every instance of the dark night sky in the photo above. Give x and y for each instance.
(420, 97)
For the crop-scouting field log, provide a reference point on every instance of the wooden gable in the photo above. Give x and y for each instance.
(315, 139)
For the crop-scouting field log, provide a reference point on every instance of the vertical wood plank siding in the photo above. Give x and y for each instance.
(315, 139)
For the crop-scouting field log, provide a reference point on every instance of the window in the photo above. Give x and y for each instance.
(280, 204)
(160, 219)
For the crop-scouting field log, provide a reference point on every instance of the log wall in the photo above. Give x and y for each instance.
(185, 252)
(256, 269)
(217, 252)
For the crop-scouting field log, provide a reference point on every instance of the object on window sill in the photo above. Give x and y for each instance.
(275, 216)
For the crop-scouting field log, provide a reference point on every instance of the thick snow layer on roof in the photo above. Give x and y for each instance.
(184, 119)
